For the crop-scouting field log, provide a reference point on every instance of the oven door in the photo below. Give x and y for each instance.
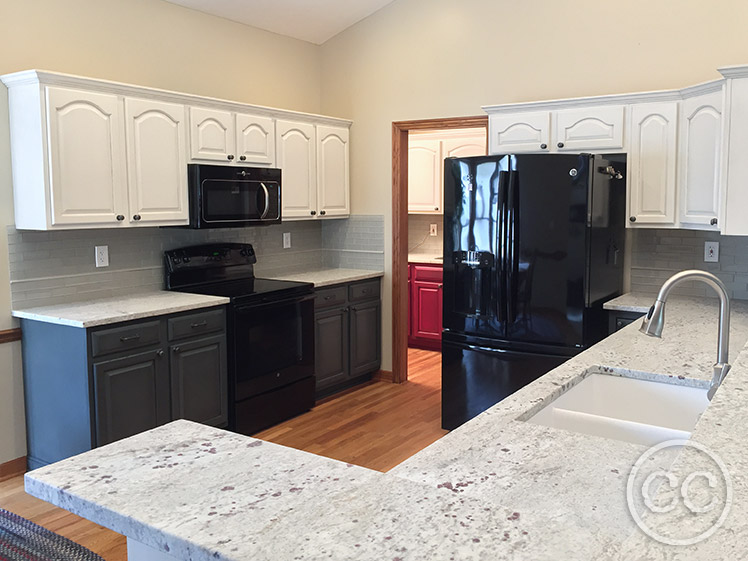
(238, 202)
(273, 345)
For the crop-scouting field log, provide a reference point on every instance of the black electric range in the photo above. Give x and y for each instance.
(270, 331)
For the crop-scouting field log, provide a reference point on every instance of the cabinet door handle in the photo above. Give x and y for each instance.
(242, 158)
(120, 217)
(543, 146)
(230, 157)
(136, 217)
(344, 310)
(353, 308)
(322, 212)
(160, 352)
(440, 286)
(713, 222)
(436, 208)
(365, 291)
(313, 212)
(130, 338)
(199, 324)
(329, 297)
(632, 218)
(560, 144)
(175, 349)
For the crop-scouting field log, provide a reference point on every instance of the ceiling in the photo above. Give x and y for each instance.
(314, 21)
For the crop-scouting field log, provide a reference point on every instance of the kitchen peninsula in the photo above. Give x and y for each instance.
(496, 487)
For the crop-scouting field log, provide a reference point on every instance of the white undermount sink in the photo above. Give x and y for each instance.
(628, 409)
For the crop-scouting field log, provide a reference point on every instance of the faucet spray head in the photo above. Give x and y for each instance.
(654, 321)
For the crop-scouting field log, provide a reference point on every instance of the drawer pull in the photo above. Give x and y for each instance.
(330, 297)
(130, 338)
(199, 324)
(365, 291)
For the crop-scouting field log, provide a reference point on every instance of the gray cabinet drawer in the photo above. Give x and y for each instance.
(368, 290)
(118, 339)
(197, 324)
(328, 297)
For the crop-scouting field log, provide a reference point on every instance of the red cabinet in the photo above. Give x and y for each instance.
(425, 313)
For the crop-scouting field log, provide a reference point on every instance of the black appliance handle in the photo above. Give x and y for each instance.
(267, 303)
(267, 201)
(512, 259)
(501, 246)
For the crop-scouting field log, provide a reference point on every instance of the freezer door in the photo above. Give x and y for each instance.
(546, 261)
(474, 191)
(475, 378)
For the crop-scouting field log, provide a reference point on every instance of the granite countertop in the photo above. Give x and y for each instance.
(428, 258)
(118, 309)
(326, 277)
(496, 487)
(640, 302)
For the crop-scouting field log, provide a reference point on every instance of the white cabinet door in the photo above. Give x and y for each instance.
(589, 128)
(652, 164)
(295, 152)
(464, 147)
(699, 158)
(255, 140)
(156, 162)
(333, 189)
(86, 153)
(519, 132)
(425, 176)
(212, 135)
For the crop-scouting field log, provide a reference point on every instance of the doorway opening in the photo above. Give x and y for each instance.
(401, 132)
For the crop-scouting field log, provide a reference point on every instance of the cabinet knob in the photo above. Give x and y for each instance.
(120, 217)
(344, 310)
(632, 218)
(713, 222)
(230, 157)
(560, 144)
(440, 286)
(322, 212)
(436, 208)
(313, 212)
(136, 217)
(160, 352)
(242, 158)
(543, 146)
(175, 349)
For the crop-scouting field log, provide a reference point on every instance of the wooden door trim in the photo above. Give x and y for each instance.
(400, 131)
(10, 335)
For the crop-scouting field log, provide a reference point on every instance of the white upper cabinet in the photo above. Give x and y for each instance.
(424, 176)
(519, 132)
(589, 128)
(652, 164)
(333, 163)
(296, 155)
(87, 177)
(156, 162)
(224, 136)
(699, 160)
(95, 154)
(255, 140)
(426, 154)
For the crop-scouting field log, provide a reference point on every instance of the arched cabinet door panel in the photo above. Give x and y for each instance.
(295, 152)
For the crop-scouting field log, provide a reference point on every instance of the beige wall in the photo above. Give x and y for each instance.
(418, 59)
(145, 42)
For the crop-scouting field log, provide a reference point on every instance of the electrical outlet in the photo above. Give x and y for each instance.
(286, 240)
(102, 256)
(711, 252)
(432, 229)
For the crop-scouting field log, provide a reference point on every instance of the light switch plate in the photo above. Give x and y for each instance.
(102, 256)
(286, 240)
(711, 252)
(432, 229)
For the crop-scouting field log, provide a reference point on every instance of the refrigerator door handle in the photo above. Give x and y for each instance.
(501, 247)
(511, 242)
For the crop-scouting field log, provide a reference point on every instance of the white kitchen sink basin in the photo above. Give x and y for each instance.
(628, 409)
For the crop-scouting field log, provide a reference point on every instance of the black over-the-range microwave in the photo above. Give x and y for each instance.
(233, 196)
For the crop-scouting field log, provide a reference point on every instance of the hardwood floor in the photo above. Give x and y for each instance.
(376, 426)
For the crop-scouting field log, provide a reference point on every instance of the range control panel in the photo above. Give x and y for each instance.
(209, 256)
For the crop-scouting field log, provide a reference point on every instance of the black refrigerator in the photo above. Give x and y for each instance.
(533, 246)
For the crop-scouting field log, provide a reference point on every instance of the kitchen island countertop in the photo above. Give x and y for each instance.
(496, 487)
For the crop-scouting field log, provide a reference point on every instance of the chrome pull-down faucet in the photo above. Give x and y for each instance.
(654, 321)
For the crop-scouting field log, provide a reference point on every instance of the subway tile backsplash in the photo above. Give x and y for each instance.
(657, 254)
(55, 267)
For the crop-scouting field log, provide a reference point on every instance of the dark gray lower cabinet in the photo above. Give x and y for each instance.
(132, 395)
(619, 320)
(198, 381)
(84, 388)
(348, 333)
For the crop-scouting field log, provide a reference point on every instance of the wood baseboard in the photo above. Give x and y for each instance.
(13, 468)
(10, 335)
(383, 376)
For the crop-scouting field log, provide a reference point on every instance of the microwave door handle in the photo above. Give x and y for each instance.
(267, 201)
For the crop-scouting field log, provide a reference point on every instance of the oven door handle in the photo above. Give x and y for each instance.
(265, 304)
(267, 200)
